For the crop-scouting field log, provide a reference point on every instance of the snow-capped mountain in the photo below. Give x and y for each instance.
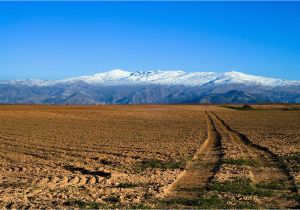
(180, 78)
(119, 86)
(121, 77)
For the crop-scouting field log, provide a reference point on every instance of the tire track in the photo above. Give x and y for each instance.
(201, 169)
(270, 168)
(61, 181)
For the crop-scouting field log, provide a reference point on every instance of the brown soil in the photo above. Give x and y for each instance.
(267, 170)
(200, 170)
(69, 156)
(149, 156)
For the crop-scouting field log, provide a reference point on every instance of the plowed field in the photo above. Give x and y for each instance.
(149, 156)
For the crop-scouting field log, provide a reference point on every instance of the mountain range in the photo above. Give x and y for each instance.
(140, 87)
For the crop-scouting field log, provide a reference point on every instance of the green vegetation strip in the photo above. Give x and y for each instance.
(210, 200)
(275, 185)
(241, 186)
(159, 164)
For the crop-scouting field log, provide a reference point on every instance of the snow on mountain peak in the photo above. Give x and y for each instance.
(242, 78)
(116, 73)
(121, 77)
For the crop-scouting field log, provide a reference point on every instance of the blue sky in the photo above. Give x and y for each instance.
(51, 40)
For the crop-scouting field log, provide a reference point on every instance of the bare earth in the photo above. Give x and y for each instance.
(149, 156)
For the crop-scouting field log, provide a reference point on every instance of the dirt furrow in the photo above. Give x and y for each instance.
(265, 167)
(200, 170)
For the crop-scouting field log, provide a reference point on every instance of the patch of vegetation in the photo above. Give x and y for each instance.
(241, 186)
(243, 107)
(160, 164)
(247, 205)
(140, 206)
(112, 199)
(241, 162)
(295, 197)
(129, 185)
(82, 204)
(275, 185)
(293, 161)
(204, 201)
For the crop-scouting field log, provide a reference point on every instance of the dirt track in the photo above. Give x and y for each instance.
(201, 169)
(269, 168)
(213, 163)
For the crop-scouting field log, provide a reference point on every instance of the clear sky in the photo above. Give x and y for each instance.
(51, 40)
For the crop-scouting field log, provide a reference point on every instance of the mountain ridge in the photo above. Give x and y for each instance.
(155, 87)
(121, 77)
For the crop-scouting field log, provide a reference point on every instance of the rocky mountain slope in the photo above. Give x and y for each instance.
(122, 87)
